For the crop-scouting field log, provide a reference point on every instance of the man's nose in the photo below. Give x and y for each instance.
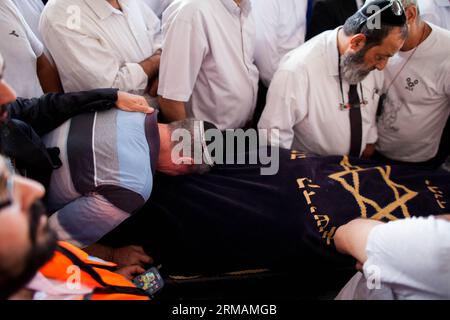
(27, 191)
(381, 65)
(7, 94)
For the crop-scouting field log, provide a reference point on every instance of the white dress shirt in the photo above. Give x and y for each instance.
(207, 60)
(407, 260)
(31, 11)
(20, 49)
(280, 28)
(436, 12)
(158, 6)
(97, 46)
(304, 98)
(418, 102)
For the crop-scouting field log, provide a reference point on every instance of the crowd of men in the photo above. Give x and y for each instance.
(93, 91)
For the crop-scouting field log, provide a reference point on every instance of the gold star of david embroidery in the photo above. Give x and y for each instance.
(364, 202)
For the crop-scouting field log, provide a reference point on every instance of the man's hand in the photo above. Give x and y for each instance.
(351, 238)
(130, 272)
(131, 255)
(151, 64)
(130, 102)
(368, 152)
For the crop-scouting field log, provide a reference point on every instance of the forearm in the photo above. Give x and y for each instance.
(351, 238)
(172, 110)
(100, 251)
(48, 76)
(51, 110)
(151, 65)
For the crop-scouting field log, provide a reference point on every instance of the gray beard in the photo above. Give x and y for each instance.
(352, 67)
(353, 75)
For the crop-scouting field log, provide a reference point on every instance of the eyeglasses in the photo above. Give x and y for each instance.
(395, 6)
(6, 187)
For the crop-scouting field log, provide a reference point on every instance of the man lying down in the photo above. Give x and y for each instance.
(108, 161)
(234, 218)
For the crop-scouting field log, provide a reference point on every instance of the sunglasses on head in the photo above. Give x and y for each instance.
(395, 6)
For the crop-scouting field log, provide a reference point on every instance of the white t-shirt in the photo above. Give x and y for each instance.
(31, 11)
(95, 45)
(407, 259)
(20, 49)
(304, 99)
(158, 6)
(207, 60)
(418, 102)
(280, 28)
(436, 12)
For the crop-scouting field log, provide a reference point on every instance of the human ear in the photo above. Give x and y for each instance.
(411, 14)
(185, 161)
(357, 42)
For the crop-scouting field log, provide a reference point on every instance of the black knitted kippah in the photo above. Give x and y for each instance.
(387, 16)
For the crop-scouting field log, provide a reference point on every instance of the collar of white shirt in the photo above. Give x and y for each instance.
(233, 8)
(332, 53)
(103, 9)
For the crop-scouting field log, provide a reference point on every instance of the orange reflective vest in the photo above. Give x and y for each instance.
(93, 273)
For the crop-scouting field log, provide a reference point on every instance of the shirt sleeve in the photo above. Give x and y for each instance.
(373, 135)
(412, 253)
(267, 56)
(91, 65)
(445, 79)
(36, 44)
(51, 110)
(285, 107)
(184, 48)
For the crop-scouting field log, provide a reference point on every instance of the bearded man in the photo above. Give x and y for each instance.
(26, 241)
(323, 98)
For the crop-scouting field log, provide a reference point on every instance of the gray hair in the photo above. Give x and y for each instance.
(408, 3)
(196, 143)
(374, 36)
